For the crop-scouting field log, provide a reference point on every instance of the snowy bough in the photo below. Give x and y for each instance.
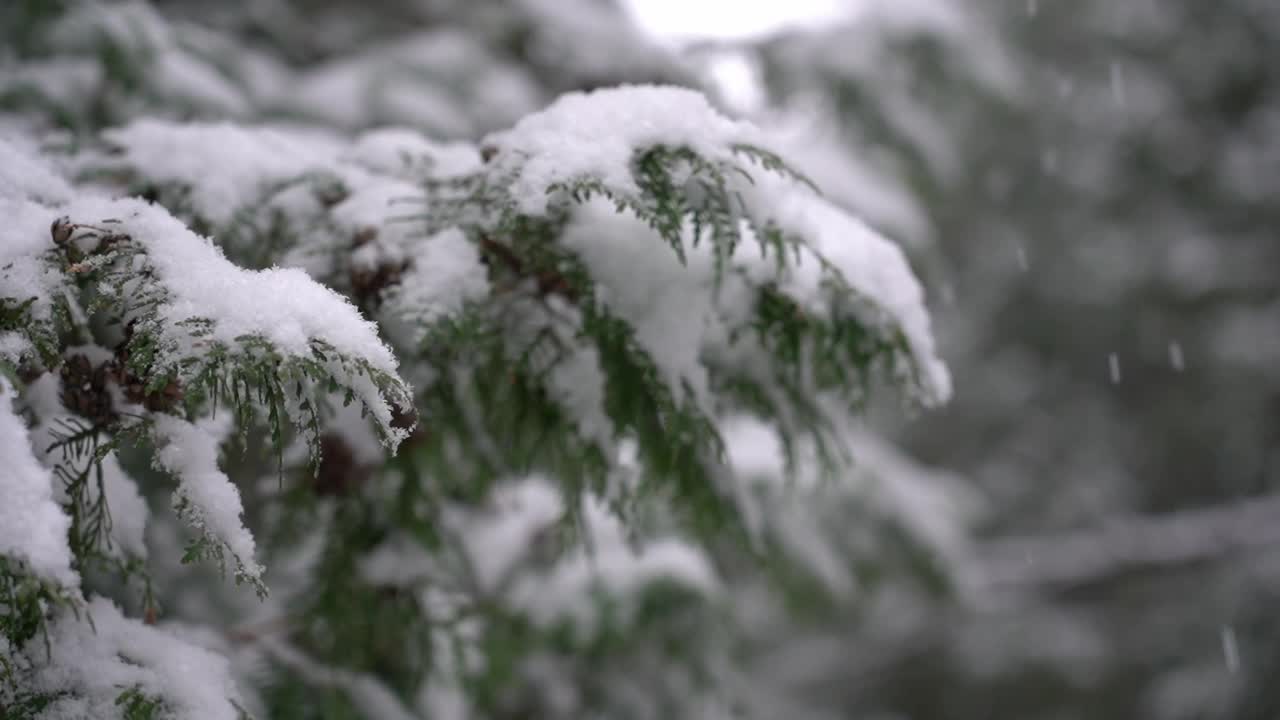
(553, 425)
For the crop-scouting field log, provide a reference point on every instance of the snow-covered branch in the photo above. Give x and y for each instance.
(1126, 543)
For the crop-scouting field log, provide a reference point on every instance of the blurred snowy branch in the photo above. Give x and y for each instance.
(1123, 544)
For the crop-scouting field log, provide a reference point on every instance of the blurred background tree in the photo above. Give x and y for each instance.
(1091, 187)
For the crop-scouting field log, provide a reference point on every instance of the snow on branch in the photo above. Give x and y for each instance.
(31, 286)
(282, 195)
(272, 336)
(33, 527)
(102, 664)
(502, 543)
(198, 332)
(709, 188)
(586, 301)
(653, 266)
(206, 497)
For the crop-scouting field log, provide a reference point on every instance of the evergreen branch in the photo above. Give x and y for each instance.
(247, 375)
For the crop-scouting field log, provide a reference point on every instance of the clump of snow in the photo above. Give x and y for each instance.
(682, 318)
(129, 511)
(26, 181)
(285, 306)
(445, 274)
(595, 134)
(315, 91)
(367, 209)
(754, 450)
(134, 25)
(226, 166)
(578, 382)
(61, 81)
(24, 274)
(778, 500)
(402, 152)
(186, 77)
(33, 528)
(95, 657)
(324, 196)
(609, 563)
(13, 347)
(497, 540)
(871, 265)
(443, 698)
(282, 305)
(212, 502)
(669, 305)
(500, 545)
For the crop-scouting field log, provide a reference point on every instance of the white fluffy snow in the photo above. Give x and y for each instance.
(190, 453)
(403, 152)
(680, 319)
(285, 306)
(607, 562)
(683, 311)
(96, 661)
(282, 305)
(595, 134)
(33, 527)
(446, 273)
(129, 511)
(497, 541)
(501, 548)
(226, 166)
(26, 180)
(873, 267)
(24, 236)
(669, 304)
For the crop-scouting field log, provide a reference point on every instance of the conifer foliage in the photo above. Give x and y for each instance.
(554, 421)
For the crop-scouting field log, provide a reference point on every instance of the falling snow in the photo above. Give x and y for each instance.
(1176, 359)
